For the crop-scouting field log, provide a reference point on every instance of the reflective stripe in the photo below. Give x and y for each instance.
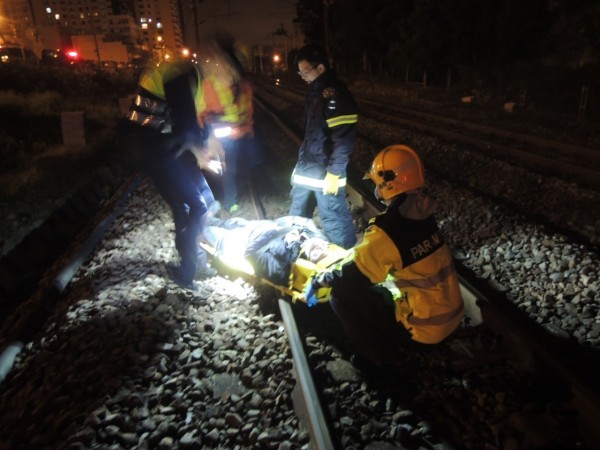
(149, 105)
(342, 120)
(429, 282)
(146, 120)
(439, 319)
(312, 182)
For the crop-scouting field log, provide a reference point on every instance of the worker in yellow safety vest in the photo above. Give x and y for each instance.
(171, 147)
(404, 244)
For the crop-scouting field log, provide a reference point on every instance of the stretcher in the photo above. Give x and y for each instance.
(301, 273)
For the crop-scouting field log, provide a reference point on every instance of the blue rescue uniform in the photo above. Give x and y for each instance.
(330, 132)
(164, 121)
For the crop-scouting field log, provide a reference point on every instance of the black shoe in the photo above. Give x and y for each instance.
(174, 274)
(364, 365)
(373, 369)
(206, 272)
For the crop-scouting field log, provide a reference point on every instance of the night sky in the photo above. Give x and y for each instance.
(252, 22)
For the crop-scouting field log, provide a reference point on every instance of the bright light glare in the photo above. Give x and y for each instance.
(233, 255)
(215, 166)
(276, 58)
(222, 132)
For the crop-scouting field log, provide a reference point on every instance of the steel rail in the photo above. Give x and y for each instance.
(582, 174)
(486, 129)
(317, 424)
(46, 296)
(557, 164)
(564, 147)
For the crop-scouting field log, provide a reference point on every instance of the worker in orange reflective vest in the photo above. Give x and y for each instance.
(228, 110)
(402, 245)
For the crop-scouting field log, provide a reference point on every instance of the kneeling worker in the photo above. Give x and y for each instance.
(403, 242)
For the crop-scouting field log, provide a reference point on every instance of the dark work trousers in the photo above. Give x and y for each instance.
(334, 213)
(230, 175)
(181, 183)
(368, 317)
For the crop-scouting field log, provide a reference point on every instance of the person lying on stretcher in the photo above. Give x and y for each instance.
(285, 252)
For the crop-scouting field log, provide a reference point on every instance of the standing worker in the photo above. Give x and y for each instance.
(329, 135)
(171, 145)
(405, 243)
(228, 109)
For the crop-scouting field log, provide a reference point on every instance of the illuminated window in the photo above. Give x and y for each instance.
(144, 26)
(49, 10)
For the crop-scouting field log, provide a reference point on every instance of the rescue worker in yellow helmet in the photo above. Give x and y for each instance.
(403, 242)
(228, 109)
(171, 146)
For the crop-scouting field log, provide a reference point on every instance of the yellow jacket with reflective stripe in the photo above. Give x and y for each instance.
(406, 243)
(150, 107)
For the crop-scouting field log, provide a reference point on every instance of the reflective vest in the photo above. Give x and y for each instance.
(149, 107)
(227, 113)
(414, 253)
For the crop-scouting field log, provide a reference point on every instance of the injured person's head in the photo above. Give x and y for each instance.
(315, 249)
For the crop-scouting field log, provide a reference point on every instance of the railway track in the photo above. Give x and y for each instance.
(562, 202)
(571, 162)
(536, 349)
(534, 356)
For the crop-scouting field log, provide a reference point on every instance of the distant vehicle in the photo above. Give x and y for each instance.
(14, 54)
(57, 57)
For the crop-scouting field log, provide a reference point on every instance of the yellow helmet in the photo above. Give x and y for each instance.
(396, 169)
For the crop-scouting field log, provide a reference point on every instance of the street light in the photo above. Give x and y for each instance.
(276, 61)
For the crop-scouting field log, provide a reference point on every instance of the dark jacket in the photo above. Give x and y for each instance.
(272, 255)
(165, 106)
(329, 123)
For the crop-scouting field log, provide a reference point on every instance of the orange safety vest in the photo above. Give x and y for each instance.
(222, 108)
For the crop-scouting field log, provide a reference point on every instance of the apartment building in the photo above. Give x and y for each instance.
(99, 30)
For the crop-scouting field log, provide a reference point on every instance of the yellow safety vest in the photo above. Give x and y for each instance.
(152, 111)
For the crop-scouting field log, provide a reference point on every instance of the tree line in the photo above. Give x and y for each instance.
(536, 49)
(441, 33)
